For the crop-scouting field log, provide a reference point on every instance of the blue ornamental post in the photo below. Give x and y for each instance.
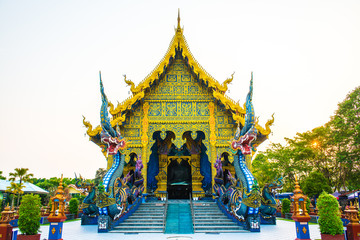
(57, 215)
(300, 215)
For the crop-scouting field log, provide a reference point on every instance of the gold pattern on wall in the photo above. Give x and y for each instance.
(212, 124)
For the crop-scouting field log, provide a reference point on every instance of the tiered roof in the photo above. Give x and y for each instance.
(218, 90)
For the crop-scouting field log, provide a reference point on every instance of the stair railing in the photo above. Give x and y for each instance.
(165, 213)
(192, 212)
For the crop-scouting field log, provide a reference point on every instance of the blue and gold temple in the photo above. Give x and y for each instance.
(178, 136)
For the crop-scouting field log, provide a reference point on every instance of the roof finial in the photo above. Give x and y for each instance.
(178, 26)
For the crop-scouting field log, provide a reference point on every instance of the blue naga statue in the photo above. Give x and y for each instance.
(242, 197)
(268, 202)
(115, 193)
(89, 207)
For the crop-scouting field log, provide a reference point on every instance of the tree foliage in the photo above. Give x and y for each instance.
(23, 176)
(315, 184)
(29, 214)
(74, 206)
(329, 215)
(331, 150)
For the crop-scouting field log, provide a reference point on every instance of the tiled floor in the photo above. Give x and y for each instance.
(284, 230)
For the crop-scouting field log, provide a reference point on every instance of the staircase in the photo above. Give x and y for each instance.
(209, 219)
(148, 218)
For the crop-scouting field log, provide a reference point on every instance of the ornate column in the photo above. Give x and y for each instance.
(145, 142)
(300, 215)
(57, 215)
(5, 228)
(162, 176)
(212, 124)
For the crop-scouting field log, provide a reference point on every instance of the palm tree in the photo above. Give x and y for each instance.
(23, 176)
(15, 188)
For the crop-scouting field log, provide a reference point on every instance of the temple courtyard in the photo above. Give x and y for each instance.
(284, 230)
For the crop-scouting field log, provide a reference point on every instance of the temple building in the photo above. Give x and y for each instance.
(179, 136)
(178, 122)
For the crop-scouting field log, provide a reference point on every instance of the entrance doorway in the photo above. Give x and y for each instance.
(179, 178)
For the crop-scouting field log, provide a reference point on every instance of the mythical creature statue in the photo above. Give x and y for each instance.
(116, 193)
(268, 202)
(89, 204)
(243, 196)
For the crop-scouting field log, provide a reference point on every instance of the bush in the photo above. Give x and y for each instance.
(29, 214)
(329, 215)
(285, 207)
(74, 206)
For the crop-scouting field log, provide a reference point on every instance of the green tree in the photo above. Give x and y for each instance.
(15, 189)
(29, 214)
(74, 206)
(345, 126)
(285, 206)
(315, 184)
(329, 215)
(23, 176)
(1, 176)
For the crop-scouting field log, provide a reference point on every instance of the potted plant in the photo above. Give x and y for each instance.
(29, 217)
(331, 226)
(285, 207)
(74, 207)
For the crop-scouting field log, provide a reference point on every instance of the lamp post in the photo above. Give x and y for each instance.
(57, 215)
(300, 215)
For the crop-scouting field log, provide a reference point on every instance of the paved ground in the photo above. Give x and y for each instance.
(284, 230)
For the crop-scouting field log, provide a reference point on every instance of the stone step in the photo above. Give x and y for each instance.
(219, 231)
(139, 227)
(136, 231)
(130, 224)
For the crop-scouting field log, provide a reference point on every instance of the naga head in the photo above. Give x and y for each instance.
(111, 137)
(277, 183)
(244, 138)
(114, 144)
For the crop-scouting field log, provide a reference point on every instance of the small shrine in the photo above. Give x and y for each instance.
(300, 214)
(57, 214)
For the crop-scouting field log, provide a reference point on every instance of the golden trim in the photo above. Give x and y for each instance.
(176, 122)
(135, 146)
(145, 123)
(179, 100)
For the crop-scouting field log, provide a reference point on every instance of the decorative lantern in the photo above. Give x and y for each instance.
(57, 215)
(300, 214)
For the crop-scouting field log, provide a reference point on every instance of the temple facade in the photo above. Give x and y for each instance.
(178, 121)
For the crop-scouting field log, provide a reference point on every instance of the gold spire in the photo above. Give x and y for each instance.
(178, 17)
(178, 29)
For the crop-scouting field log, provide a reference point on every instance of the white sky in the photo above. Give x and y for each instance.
(305, 56)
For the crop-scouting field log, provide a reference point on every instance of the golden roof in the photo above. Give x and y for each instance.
(138, 92)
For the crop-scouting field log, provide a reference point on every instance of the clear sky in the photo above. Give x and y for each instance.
(304, 54)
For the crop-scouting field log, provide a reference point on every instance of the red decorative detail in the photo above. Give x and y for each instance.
(114, 144)
(28, 237)
(332, 237)
(244, 143)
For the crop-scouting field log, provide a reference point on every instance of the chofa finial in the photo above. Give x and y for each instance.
(178, 19)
